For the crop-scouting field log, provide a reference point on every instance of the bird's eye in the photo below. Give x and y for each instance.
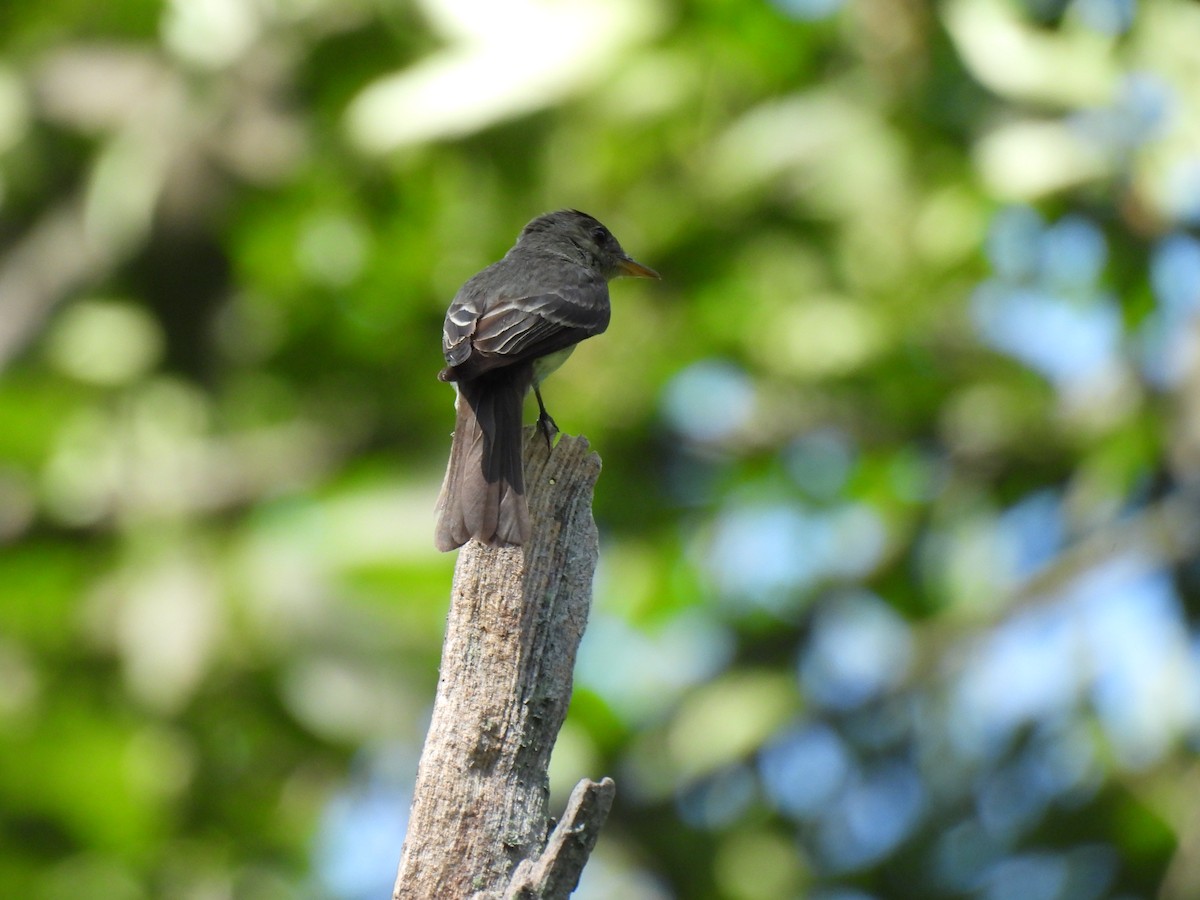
(600, 234)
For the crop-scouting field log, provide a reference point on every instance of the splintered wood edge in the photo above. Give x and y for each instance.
(572, 457)
(555, 874)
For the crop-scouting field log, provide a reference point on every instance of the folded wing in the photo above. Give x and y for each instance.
(507, 330)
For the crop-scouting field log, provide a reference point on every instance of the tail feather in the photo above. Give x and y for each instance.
(483, 495)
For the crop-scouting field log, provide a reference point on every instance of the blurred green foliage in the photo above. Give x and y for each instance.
(898, 513)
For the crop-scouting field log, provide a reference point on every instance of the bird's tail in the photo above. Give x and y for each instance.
(483, 496)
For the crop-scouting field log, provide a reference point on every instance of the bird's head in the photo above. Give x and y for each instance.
(589, 238)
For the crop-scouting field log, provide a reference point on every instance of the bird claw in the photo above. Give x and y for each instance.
(548, 428)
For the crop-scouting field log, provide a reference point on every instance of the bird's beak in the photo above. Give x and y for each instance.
(628, 266)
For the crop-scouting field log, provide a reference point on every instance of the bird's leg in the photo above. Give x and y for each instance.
(545, 424)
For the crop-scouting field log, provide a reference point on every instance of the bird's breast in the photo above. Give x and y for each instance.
(545, 366)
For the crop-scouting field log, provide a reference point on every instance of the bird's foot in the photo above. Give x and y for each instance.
(548, 428)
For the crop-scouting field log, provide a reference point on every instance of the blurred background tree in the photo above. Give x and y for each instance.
(899, 517)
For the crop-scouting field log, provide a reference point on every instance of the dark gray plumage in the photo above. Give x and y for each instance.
(507, 329)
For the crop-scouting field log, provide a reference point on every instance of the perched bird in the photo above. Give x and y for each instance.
(507, 329)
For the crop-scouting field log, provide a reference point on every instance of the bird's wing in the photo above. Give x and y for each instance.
(509, 330)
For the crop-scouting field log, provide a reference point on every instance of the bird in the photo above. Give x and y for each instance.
(506, 330)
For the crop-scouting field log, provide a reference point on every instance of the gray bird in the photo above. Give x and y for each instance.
(507, 329)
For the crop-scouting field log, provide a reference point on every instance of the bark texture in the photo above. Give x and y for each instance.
(516, 618)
